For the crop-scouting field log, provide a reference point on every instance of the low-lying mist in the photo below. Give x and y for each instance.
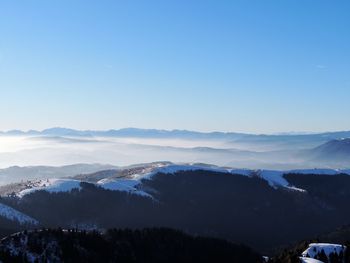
(122, 151)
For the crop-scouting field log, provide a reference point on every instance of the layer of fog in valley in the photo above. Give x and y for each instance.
(62, 150)
(279, 152)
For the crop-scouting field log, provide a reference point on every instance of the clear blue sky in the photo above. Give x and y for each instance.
(254, 66)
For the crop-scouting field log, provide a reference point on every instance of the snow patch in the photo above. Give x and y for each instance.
(15, 215)
(309, 260)
(274, 178)
(66, 185)
(125, 185)
(52, 186)
(328, 248)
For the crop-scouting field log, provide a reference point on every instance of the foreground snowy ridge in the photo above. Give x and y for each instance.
(273, 177)
(67, 185)
(51, 185)
(125, 185)
(14, 215)
(328, 248)
(310, 254)
(133, 183)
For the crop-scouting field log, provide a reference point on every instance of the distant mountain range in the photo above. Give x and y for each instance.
(333, 153)
(334, 150)
(125, 132)
(17, 174)
(155, 133)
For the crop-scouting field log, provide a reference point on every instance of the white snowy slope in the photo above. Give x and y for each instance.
(13, 214)
(66, 185)
(125, 185)
(328, 248)
(274, 178)
(132, 183)
(52, 185)
(309, 260)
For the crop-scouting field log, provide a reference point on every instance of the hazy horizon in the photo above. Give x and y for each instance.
(179, 129)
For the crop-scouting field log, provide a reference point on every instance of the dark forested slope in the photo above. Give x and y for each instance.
(238, 208)
(147, 245)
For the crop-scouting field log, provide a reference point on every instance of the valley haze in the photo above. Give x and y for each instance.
(63, 147)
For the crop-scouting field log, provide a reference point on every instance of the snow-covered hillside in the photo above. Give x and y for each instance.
(66, 185)
(52, 185)
(14, 215)
(328, 248)
(131, 179)
(126, 185)
(315, 249)
(273, 177)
